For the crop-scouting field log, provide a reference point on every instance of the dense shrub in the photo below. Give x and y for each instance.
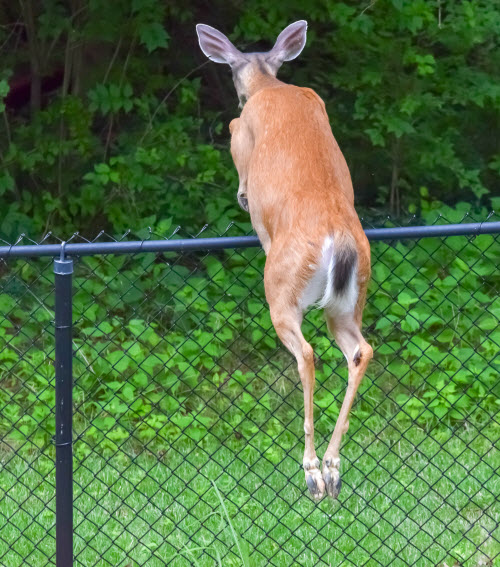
(167, 343)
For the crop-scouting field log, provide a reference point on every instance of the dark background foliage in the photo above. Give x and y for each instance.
(113, 118)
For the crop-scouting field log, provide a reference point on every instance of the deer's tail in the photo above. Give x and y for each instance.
(341, 256)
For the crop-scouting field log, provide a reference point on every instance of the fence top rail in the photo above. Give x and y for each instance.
(231, 242)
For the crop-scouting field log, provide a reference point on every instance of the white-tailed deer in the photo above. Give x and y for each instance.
(295, 183)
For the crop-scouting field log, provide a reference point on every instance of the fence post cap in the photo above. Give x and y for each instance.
(63, 267)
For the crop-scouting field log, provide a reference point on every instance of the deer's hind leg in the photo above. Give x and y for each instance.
(286, 316)
(358, 353)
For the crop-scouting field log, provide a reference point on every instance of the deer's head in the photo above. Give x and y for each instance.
(250, 68)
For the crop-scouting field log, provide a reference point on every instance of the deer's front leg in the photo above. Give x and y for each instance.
(241, 150)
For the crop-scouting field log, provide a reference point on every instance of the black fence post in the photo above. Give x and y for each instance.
(63, 270)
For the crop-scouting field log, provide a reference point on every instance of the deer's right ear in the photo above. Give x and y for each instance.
(216, 46)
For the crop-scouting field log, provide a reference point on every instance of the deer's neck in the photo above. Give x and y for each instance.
(262, 81)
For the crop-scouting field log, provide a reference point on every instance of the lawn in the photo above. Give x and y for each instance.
(408, 498)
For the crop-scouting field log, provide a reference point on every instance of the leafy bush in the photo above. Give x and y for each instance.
(167, 344)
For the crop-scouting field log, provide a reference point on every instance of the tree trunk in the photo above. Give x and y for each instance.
(79, 12)
(35, 56)
(394, 201)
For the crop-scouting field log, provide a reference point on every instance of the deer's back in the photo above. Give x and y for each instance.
(298, 176)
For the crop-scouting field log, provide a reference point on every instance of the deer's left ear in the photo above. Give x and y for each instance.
(290, 43)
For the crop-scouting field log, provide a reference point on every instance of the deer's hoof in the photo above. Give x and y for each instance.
(314, 480)
(331, 476)
(243, 201)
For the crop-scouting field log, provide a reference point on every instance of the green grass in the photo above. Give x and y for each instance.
(423, 500)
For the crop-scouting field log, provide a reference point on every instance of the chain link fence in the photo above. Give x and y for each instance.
(188, 416)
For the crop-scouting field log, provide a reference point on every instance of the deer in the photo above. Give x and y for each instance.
(296, 185)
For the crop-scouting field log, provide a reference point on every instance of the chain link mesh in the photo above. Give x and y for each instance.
(188, 414)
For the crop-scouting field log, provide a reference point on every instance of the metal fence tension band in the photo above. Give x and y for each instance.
(63, 270)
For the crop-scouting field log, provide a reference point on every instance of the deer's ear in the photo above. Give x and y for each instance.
(216, 46)
(290, 43)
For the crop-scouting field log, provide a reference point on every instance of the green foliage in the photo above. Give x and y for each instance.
(111, 98)
(137, 132)
(4, 91)
(446, 332)
(402, 89)
(146, 368)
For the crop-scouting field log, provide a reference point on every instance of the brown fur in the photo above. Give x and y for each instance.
(299, 192)
(296, 179)
(296, 185)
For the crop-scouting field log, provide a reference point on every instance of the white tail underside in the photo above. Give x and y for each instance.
(319, 291)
